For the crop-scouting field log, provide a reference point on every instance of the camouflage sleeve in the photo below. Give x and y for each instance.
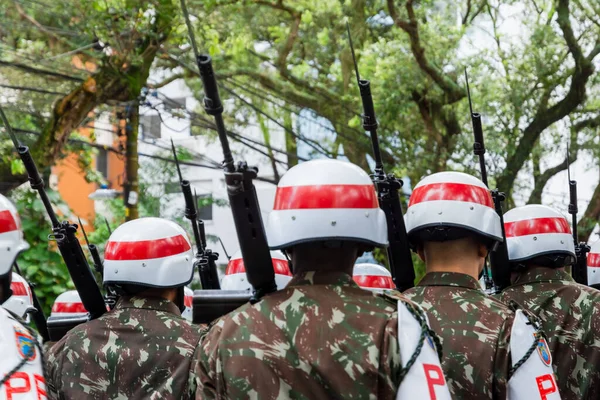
(206, 363)
(54, 365)
(390, 365)
(502, 360)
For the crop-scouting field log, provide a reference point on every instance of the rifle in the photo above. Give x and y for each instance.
(108, 226)
(579, 270)
(205, 259)
(499, 262)
(240, 189)
(65, 235)
(93, 251)
(38, 316)
(398, 251)
(110, 298)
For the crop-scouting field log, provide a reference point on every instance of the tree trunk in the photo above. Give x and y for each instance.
(132, 163)
(291, 143)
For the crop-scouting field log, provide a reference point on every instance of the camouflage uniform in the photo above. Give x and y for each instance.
(141, 349)
(322, 337)
(570, 315)
(475, 332)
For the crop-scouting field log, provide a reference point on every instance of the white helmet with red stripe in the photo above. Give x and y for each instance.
(11, 235)
(235, 273)
(325, 200)
(593, 264)
(68, 304)
(21, 300)
(541, 233)
(152, 252)
(372, 277)
(446, 205)
(188, 301)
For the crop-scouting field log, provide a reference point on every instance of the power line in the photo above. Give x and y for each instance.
(203, 122)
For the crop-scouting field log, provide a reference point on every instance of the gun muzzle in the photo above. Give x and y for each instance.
(212, 100)
(369, 119)
(573, 195)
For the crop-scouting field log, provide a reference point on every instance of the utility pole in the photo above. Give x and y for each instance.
(132, 186)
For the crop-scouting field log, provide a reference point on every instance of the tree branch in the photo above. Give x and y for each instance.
(166, 81)
(39, 71)
(590, 218)
(548, 116)
(452, 90)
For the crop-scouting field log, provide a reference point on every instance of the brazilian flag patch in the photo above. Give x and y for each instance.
(25, 344)
(544, 352)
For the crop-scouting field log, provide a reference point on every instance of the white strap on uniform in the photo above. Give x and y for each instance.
(425, 379)
(16, 343)
(534, 379)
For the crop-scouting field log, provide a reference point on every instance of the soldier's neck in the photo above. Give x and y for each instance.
(460, 267)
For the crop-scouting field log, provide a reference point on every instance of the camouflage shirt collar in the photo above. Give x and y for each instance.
(322, 278)
(541, 274)
(450, 279)
(148, 303)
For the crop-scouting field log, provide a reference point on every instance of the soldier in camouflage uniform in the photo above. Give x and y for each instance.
(540, 246)
(452, 224)
(142, 348)
(322, 337)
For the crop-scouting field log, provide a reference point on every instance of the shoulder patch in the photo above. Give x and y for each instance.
(25, 343)
(544, 351)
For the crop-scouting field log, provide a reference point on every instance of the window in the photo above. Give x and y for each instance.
(204, 206)
(175, 104)
(102, 162)
(150, 126)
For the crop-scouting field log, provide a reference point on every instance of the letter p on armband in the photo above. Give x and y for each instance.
(435, 377)
(546, 385)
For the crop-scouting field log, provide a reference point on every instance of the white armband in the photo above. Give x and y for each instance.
(534, 378)
(425, 379)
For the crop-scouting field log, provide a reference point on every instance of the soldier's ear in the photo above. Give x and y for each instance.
(482, 250)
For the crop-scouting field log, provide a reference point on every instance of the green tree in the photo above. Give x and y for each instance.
(531, 66)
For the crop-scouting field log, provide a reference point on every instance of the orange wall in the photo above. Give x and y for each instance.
(73, 188)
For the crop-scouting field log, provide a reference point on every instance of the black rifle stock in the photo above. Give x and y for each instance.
(242, 195)
(65, 235)
(579, 269)
(38, 317)
(398, 251)
(206, 263)
(499, 262)
(110, 297)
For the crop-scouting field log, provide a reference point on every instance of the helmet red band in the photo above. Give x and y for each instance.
(146, 249)
(325, 196)
(236, 266)
(18, 289)
(68, 308)
(593, 260)
(374, 281)
(7, 222)
(537, 226)
(451, 191)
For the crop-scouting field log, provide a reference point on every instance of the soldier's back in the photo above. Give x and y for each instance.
(141, 349)
(321, 339)
(475, 332)
(570, 315)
